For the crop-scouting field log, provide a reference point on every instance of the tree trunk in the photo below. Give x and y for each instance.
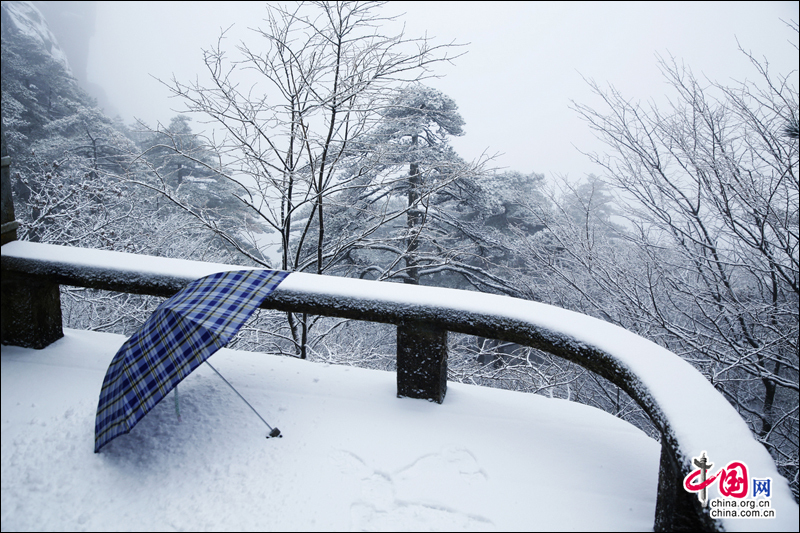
(414, 220)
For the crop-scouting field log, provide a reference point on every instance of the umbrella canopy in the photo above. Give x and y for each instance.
(182, 333)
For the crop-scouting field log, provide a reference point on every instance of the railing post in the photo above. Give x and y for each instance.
(31, 306)
(676, 509)
(9, 224)
(421, 361)
(31, 310)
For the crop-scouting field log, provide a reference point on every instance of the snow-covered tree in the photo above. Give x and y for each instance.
(415, 126)
(403, 172)
(324, 70)
(709, 266)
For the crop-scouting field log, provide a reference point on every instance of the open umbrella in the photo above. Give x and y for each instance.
(182, 333)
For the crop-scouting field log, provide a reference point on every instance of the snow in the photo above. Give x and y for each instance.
(353, 456)
(123, 265)
(699, 418)
(30, 21)
(200, 180)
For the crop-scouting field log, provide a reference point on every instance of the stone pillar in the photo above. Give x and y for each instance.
(31, 306)
(31, 311)
(421, 361)
(677, 509)
(9, 223)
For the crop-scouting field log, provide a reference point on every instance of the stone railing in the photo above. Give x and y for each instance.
(689, 413)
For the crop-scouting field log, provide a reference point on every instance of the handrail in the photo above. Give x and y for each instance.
(689, 413)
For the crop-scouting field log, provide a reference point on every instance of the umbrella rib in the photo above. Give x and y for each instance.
(237, 392)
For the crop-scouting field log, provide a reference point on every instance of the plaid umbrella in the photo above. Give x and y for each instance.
(182, 333)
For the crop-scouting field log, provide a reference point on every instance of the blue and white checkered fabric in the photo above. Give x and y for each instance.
(182, 333)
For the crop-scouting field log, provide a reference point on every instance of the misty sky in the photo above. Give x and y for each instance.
(513, 87)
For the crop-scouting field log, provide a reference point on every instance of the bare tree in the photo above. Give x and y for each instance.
(708, 261)
(323, 72)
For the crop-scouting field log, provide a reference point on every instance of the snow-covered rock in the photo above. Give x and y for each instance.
(27, 18)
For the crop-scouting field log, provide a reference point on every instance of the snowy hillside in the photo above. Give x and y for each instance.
(30, 21)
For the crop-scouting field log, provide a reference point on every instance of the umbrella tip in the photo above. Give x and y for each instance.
(275, 433)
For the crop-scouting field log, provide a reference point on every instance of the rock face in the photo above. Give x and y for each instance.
(64, 31)
(73, 24)
(39, 87)
(27, 19)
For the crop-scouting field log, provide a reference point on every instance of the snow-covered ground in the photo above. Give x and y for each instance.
(353, 456)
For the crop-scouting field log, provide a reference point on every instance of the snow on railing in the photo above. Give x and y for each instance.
(690, 414)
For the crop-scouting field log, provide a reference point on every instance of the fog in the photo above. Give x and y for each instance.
(525, 62)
